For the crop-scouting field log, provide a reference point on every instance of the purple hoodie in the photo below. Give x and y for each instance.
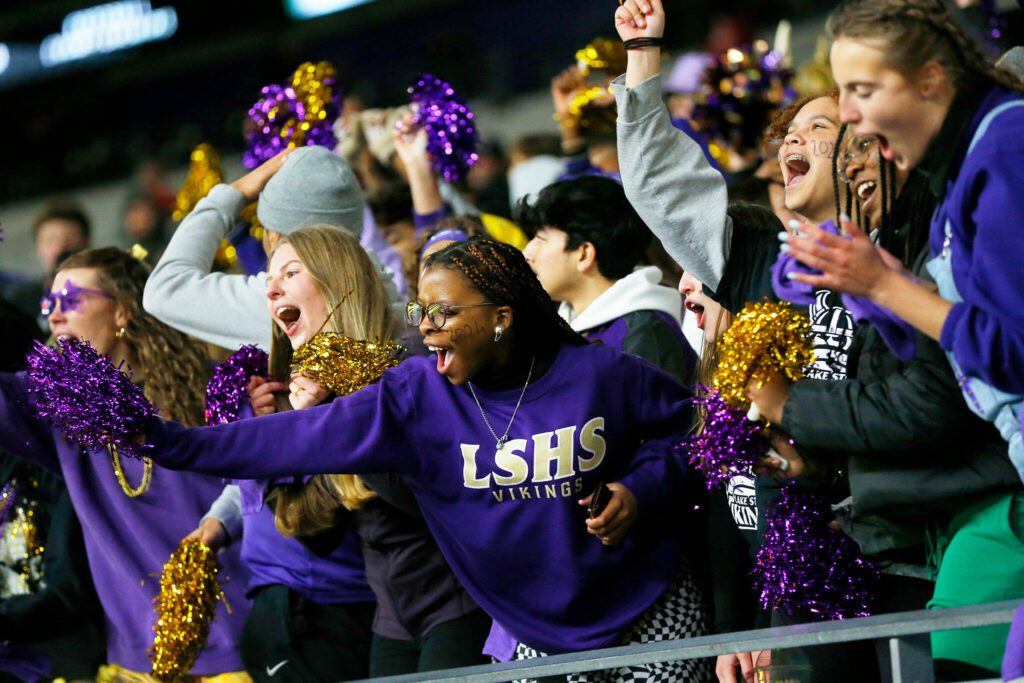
(985, 209)
(128, 540)
(508, 523)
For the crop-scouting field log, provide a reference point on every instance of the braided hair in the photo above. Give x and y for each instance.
(174, 366)
(500, 272)
(916, 32)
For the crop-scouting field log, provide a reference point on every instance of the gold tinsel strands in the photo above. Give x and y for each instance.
(204, 173)
(310, 83)
(764, 338)
(184, 609)
(602, 54)
(593, 109)
(344, 365)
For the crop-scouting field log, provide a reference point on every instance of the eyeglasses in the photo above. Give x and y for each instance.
(436, 313)
(857, 152)
(70, 298)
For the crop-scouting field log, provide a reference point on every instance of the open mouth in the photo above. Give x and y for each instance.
(866, 191)
(697, 310)
(796, 166)
(885, 149)
(444, 357)
(289, 315)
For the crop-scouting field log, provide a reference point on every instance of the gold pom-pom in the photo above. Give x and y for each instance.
(765, 338)
(604, 55)
(203, 174)
(344, 365)
(592, 109)
(184, 609)
(312, 85)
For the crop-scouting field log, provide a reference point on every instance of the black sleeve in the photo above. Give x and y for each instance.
(916, 406)
(650, 338)
(729, 557)
(60, 608)
(748, 272)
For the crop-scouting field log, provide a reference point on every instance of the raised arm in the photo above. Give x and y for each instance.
(226, 310)
(368, 431)
(667, 178)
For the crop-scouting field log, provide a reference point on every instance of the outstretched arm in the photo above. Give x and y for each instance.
(368, 431)
(667, 178)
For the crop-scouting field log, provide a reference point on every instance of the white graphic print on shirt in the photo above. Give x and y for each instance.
(832, 330)
(742, 501)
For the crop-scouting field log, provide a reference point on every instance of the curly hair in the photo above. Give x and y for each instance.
(916, 32)
(173, 364)
(778, 125)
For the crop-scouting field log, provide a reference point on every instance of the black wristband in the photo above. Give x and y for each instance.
(640, 43)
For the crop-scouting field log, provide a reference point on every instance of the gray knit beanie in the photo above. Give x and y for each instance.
(314, 186)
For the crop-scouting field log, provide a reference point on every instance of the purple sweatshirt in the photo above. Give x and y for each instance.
(508, 523)
(983, 203)
(128, 540)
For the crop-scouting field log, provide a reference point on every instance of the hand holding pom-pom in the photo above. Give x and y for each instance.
(95, 404)
(229, 386)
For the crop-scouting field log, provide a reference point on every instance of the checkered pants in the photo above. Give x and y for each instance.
(678, 613)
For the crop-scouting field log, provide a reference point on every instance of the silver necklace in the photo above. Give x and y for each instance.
(499, 443)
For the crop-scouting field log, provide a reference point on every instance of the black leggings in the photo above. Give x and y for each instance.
(448, 645)
(289, 638)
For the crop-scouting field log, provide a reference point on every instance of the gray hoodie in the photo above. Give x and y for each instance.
(669, 182)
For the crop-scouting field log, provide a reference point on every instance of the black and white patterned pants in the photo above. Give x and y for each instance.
(678, 613)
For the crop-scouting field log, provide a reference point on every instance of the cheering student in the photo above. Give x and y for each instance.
(503, 435)
(133, 513)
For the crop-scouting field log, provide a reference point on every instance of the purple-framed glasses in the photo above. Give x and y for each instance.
(70, 298)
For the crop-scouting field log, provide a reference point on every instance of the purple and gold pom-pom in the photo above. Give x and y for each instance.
(805, 567)
(343, 365)
(95, 404)
(765, 338)
(185, 607)
(728, 444)
(300, 113)
(228, 388)
(451, 131)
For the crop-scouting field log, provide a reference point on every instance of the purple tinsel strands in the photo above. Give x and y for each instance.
(728, 445)
(451, 132)
(229, 386)
(268, 131)
(806, 567)
(95, 404)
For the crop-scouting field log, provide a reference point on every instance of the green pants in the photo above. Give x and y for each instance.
(983, 563)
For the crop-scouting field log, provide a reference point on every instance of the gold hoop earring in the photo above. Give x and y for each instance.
(120, 333)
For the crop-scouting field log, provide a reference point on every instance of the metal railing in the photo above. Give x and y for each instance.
(907, 633)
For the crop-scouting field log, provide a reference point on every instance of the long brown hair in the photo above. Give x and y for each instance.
(358, 307)
(173, 365)
(916, 32)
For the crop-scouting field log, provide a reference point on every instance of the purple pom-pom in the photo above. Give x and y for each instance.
(95, 404)
(806, 567)
(270, 126)
(451, 132)
(728, 445)
(229, 386)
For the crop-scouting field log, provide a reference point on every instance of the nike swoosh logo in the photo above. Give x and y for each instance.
(276, 668)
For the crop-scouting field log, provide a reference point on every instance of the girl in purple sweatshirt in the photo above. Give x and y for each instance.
(502, 434)
(133, 513)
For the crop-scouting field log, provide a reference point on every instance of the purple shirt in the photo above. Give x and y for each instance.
(509, 523)
(984, 206)
(128, 540)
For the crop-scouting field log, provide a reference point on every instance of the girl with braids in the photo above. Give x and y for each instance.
(312, 607)
(502, 435)
(910, 78)
(133, 513)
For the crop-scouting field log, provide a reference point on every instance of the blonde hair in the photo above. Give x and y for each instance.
(358, 307)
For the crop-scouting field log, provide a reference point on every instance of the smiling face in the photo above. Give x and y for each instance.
(806, 159)
(294, 299)
(555, 267)
(94, 318)
(708, 311)
(464, 344)
(877, 101)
